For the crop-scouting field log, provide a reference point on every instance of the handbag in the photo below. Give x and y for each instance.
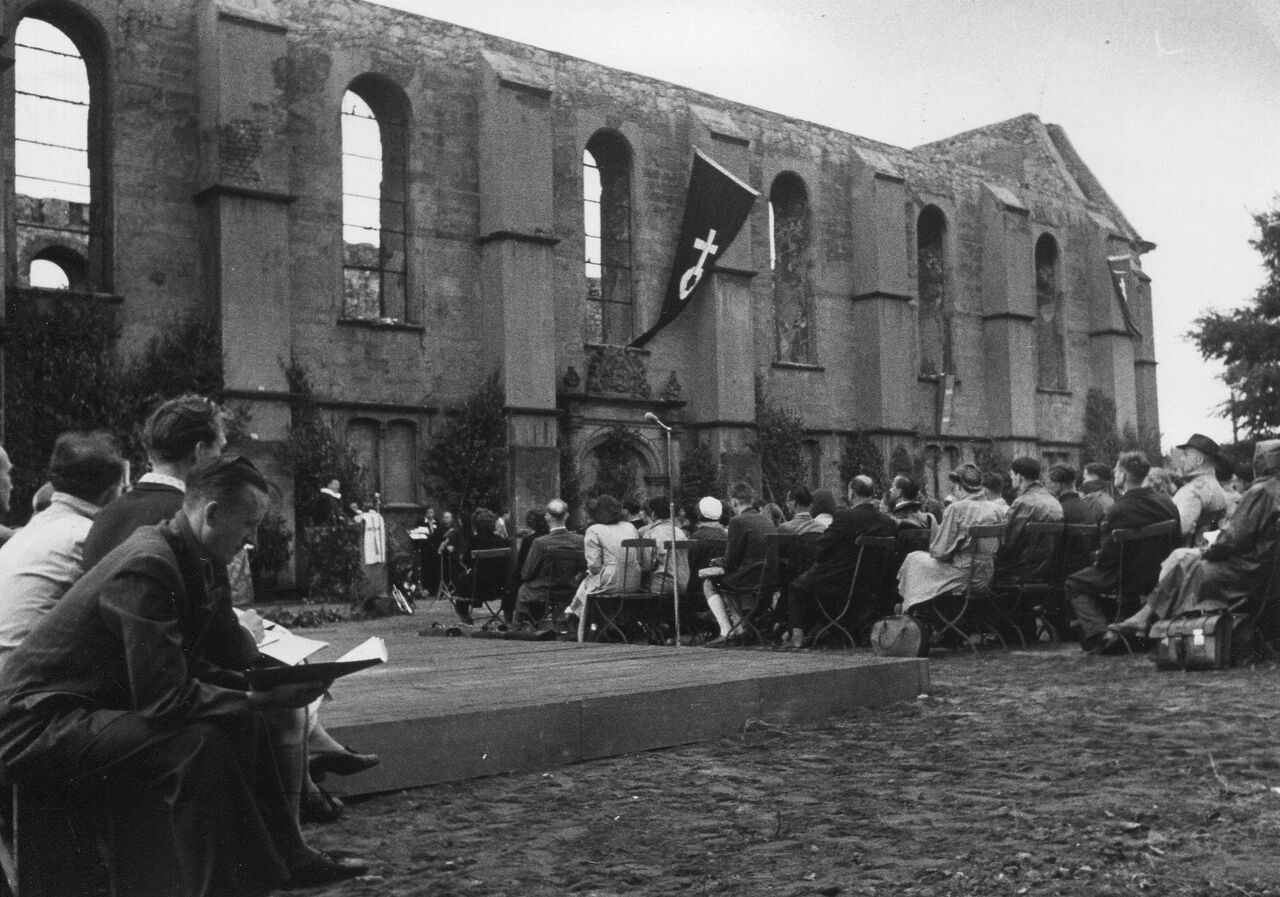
(900, 636)
(1196, 642)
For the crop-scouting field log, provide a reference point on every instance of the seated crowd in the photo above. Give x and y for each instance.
(746, 571)
(123, 661)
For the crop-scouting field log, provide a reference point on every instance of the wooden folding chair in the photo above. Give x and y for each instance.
(875, 556)
(961, 608)
(1166, 536)
(630, 604)
(490, 578)
(1040, 584)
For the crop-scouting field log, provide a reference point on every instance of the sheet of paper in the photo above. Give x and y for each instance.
(289, 648)
(372, 648)
(1211, 536)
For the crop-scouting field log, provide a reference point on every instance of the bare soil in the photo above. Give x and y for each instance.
(1042, 772)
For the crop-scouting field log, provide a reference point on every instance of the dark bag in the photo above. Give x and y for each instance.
(900, 636)
(1197, 642)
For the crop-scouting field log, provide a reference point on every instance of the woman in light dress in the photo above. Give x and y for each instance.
(610, 567)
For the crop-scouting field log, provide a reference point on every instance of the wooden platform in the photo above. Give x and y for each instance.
(446, 709)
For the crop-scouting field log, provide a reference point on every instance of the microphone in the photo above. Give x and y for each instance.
(653, 418)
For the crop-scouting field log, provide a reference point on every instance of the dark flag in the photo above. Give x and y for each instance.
(714, 211)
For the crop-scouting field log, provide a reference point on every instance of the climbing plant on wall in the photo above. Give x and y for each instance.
(779, 441)
(617, 464)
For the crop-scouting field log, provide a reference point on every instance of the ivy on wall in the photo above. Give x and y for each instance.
(466, 465)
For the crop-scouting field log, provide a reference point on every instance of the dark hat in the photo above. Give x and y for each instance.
(1204, 445)
(968, 476)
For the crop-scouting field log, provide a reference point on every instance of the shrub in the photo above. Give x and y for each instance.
(466, 465)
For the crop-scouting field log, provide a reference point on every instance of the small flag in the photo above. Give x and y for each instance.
(715, 209)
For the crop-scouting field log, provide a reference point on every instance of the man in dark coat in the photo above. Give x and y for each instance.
(1023, 554)
(830, 578)
(746, 558)
(1138, 506)
(132, 678)
(179, 435)
(1075, 510)
(538, 574)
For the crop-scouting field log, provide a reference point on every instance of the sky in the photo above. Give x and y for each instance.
(1174, 105)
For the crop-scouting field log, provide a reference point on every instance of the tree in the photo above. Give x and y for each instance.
(466, 467)
(780, 445)
(1247, 340)
(861, 456)
(617, 464)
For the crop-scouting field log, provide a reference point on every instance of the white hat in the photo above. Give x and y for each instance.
(710, 508)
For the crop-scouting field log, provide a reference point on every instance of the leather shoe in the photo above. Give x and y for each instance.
(345, 762)
(325, 869)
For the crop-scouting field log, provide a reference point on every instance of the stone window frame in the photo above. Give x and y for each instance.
(614, 160)
(794, 182)
(392, 110)
(381, 428)
(1047, 254)
(946, 304)
(97, 271)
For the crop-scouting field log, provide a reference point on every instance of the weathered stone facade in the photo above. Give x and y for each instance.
(221, 163)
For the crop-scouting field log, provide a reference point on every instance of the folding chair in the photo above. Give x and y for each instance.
(564, 568)
(967, 605)
(1133, 583)
(1043, 581)
(490, 576)
(628, 605)
(699, 616)
(875, 555)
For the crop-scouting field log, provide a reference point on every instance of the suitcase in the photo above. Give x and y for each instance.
(900, 636)
(1200, 642)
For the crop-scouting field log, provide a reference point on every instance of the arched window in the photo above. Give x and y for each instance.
(606, 227)
(1050, 331)
(374, 210)
(792, 262)
(931, 279)
(58, 268)
(59, 165)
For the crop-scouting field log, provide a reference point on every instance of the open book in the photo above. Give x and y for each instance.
(370, 652)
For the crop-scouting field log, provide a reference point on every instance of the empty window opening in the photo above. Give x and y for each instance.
(374, 260)
(53, 183)
(606, 228)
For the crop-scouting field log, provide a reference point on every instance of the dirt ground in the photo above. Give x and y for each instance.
(1041, 772)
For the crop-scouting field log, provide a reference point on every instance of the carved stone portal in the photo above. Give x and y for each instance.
(614, 370)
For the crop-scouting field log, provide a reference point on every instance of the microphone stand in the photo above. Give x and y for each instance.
(671, 517)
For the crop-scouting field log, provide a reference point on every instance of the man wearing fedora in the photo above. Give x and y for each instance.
(1201, 500)
(925, 575)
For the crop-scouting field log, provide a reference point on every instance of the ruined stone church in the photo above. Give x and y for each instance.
(406, 206)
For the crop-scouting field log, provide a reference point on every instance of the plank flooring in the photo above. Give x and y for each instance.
(447, 709)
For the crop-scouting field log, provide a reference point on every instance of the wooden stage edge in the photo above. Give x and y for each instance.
(449, 709)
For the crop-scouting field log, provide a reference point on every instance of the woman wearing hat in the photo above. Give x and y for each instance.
(1201, 501)
(925, 575)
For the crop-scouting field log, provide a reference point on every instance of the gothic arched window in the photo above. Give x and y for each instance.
(791, 259)
(374, 210)
(606, 228)
(59, 152)
(1051, 350)
(931, 279)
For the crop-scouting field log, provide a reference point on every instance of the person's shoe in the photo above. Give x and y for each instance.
(720, 641)
(325, 869)
(345, 762)
(320, 807)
